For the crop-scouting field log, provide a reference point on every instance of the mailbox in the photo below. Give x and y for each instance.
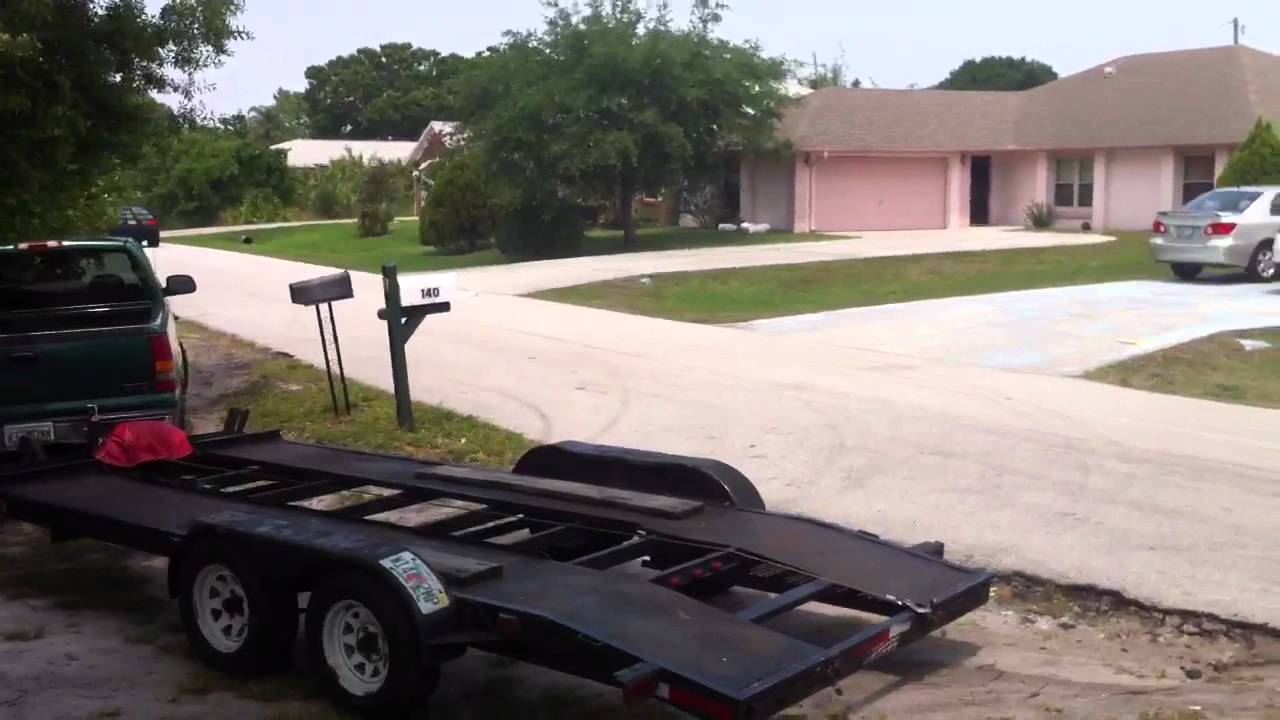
(327, 289)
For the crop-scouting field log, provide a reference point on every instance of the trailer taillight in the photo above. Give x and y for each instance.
(695, 702)
(166, 377)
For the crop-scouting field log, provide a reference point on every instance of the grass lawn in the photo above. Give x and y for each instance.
(1214, 368)
(736, 295)
(290, 395)
(336, 245)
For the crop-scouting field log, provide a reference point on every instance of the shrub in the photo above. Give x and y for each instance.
(458, 213)
(258, 206)
(1040, 215)
(376, 197)
(540, 228)
(374, 221)
(1256, 161)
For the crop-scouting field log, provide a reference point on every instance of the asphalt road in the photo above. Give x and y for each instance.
(1170, 500)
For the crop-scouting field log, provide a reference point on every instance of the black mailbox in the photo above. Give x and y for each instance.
(327, 289)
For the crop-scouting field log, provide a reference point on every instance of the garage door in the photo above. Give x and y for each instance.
(869, 193)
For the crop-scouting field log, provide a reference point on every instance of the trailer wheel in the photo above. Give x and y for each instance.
(363, 641)
(236, 621)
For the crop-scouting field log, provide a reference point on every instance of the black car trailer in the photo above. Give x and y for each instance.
(600, 562)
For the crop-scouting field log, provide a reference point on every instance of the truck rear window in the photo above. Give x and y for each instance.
(71, 277)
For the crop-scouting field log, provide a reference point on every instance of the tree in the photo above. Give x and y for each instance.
(389, 92)
(998, 72)
(194, 173)
(458, 214)
(75, 80)
(602, 104)
(818, 75)
(284, 119)
(1256, 161)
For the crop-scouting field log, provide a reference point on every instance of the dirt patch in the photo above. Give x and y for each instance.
(220, 366)
(87, 631)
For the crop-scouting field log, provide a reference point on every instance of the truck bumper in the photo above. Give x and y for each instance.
(75, 430)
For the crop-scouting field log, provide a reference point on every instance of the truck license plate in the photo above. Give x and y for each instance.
(13, 434)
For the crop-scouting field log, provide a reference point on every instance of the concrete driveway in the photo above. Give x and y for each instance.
(523, 278)
(1064, 331)
(1170, 500)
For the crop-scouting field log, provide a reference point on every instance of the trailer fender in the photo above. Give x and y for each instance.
(622, 468)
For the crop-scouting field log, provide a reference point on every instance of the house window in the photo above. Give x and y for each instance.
(1197, 176)
(1073, 184)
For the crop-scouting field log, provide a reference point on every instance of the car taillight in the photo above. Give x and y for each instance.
(152, 221)
(1159, 228)
(166, 378)
(1219, 228)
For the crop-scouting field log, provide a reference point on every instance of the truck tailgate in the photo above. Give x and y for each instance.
(75, 366)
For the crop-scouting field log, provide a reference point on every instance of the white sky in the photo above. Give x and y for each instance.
(893, 43)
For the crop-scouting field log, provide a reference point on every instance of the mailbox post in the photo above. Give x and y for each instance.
(324, 291)
(407, 300)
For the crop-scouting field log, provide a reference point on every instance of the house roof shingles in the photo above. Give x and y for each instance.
(1206, 96)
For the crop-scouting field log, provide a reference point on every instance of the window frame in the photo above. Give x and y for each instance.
(1081, 189)
(1199, 185)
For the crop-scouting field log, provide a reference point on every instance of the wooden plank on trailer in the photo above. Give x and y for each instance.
(658, 505)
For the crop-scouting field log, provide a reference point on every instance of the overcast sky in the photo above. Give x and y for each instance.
(893, 43)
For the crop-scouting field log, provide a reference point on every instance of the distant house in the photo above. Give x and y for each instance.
(1110, 146)
(307, 153)
(439, 136)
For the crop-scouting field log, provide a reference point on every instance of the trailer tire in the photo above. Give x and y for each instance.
(215, 583)
(691, 478)
(387, 675)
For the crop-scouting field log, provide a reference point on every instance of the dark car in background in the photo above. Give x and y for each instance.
(138, 223)
(86, 336)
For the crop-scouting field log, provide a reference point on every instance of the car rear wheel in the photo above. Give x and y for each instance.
(1187, 271)
(1262, 264)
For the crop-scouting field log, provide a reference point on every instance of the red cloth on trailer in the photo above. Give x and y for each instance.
(133, 443)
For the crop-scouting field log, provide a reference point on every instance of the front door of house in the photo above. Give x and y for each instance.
(980, 190)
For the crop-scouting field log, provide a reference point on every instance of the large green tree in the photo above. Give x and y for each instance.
(392, 91)
(284, 119)
(75, 83)
(603, 103)
(998, 72)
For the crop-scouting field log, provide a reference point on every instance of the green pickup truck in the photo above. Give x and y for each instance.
(86, 335)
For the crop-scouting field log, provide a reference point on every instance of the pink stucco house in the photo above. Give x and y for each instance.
(1110, 146)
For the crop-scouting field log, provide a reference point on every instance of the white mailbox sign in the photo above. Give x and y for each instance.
(427, 288)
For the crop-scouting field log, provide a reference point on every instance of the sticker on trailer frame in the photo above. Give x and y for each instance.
(427, 590)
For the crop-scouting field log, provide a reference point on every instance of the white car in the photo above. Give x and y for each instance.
(1232, 227)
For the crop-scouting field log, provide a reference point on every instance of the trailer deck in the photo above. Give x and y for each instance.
(600, 582)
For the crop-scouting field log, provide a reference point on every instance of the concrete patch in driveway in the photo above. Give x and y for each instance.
(1063, 331)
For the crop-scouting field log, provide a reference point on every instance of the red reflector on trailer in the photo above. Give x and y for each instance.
(696, 702)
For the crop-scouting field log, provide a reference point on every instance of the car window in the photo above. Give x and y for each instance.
(70, 277)
(1275, 204)
(1232, 201)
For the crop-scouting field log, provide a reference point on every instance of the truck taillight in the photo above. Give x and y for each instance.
(1159, 228)
(166, 377)
(1219, 228)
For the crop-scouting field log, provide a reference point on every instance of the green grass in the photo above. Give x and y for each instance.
(737, 295)
(336, 245)
(1213, 368)
(294, 397)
